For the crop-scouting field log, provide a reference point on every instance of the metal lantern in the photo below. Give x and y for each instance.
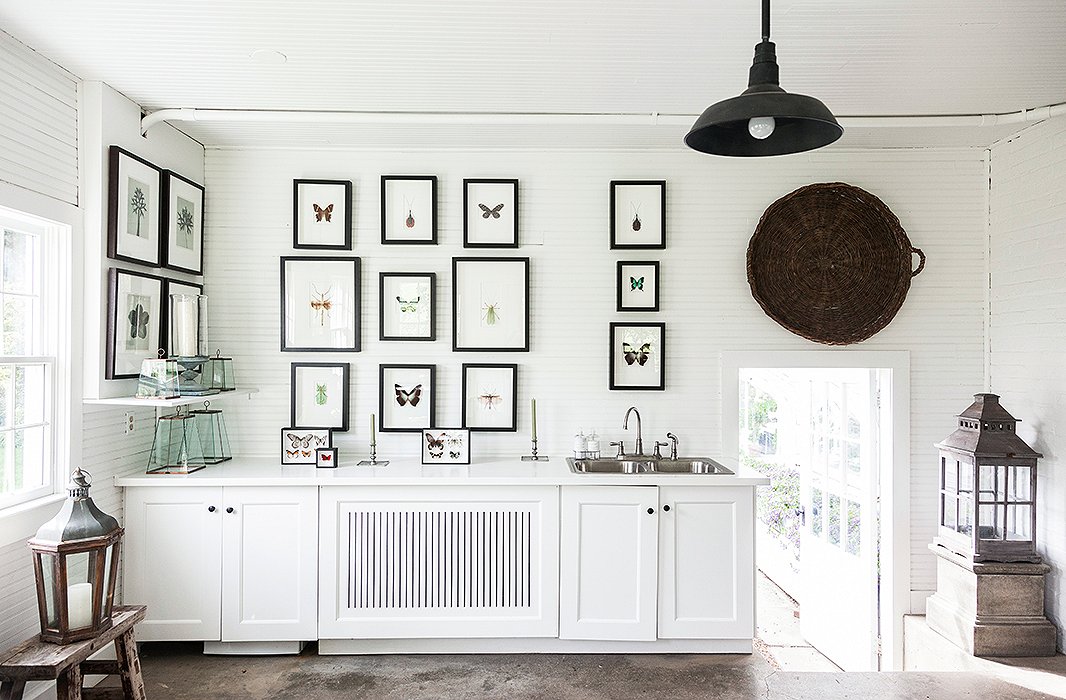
(219, 372)
(75, 562)
(177, 448)
(214, 441)
(988, 487)
(158, 379)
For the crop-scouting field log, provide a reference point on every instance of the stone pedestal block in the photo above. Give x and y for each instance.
(990, 608)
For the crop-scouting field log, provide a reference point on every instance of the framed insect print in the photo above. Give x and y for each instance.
(173, 287)
(407, 394)
(319, 394)
(183, 233)
(134, 328)
(638, 286)
(638, 214)
(490, 397)
(490, 304)
(298, 445)
(407, 305)
(326, 457)
(322, 214)
(445, 446)
(490, 213)
(638, 356)
(134, 210)
(320, 304)
(409, 209)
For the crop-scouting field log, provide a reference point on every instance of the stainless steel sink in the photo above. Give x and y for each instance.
(647, 465)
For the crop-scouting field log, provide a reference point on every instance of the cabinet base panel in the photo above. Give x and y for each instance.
(253, 648)
(531, 646)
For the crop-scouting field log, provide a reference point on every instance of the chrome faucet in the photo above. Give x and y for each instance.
(638, 449)
(673, 445)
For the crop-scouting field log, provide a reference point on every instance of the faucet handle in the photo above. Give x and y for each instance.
(673, 445)
(621, 448)
(658, 449)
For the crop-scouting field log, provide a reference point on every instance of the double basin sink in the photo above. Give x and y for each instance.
(634, 464)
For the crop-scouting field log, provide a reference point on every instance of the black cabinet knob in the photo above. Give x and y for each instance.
(230, 509)
(210, 509)
(666, 508)
(650, 511)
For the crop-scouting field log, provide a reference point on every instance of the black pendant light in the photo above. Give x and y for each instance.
(764, 120)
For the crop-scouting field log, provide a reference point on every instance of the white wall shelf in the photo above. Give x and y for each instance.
(172, 403)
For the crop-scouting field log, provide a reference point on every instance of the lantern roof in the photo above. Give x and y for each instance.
(986, 429)
(79, 518)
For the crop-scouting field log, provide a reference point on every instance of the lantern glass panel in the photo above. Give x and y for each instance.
(1019, 482)
(965, 476)
(1019, 520)
(48, 579)
(950, 503)
(991, 521)
(950, 476)
(991, 483)
(965, 516)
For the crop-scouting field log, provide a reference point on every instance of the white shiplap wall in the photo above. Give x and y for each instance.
(714, 204)
(1028, 321)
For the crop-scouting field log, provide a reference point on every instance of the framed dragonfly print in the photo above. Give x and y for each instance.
(490, 397)
(183, 233)
(134, 326)
(320, 304)
(409, 209)
(490, 304)
(173, 287)
(319, 394)
(638, 214)
(638, 286)
(135, 208)
(322, 214)
(407, 394)
(298, 445)
(407, 305)
(638, 356)
(445, 446)
(490, 213)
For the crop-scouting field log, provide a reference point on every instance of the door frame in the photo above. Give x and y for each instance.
(893, 476)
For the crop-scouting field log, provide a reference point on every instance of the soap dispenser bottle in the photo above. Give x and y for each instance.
(579, 444)
(592, 445)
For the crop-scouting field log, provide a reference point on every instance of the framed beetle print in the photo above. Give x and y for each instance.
(407, 305)
(135, 208)
(445, 446)
(409, 209)
(322, 214)
(638, 356)
(173, 287)
(638, 286)
(183, 239)
(490, 213)
(406, 397)
(319, 394)
(298, 445)
(320, 304)
(490, 304)
(490, 397)
(134, 324)
(638, 214)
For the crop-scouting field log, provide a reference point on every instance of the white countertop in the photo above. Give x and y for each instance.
(252, 471)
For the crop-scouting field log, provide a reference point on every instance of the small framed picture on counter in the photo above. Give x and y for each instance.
(298, 445)
(326, 457)
(445, 446)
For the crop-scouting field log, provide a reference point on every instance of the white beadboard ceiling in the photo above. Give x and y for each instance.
(901, 57)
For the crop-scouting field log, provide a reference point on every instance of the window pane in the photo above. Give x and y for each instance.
(854, 528)
(816, 512)
(833, 526)
(19, 262)
(854, 456)
(6, 374)
(29, 458)
(18, 325)
(30, 396)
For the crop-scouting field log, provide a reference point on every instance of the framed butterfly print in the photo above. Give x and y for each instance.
(445, 446)
(320, 304)
(490, 213)
(319, 394)
(135, 208)
(298, 445)
(407, 394)
(134, 326)
(638, 285)
(638, 356)
(490, 397)
(407, 305)
(322, 214)
(638, 214)
(183, 232)
(173, 287)
(490, 304)
(409, 209)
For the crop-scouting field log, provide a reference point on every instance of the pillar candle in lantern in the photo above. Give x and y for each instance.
(184, 322)
(79, 605)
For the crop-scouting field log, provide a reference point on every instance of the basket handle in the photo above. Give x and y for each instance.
(921, 260)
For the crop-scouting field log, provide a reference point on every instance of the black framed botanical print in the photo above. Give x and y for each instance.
(446, 446)
(490, 213)
(134, 322)
(183, 233)
(134, 209)
(319, 395)
(406, 397)
(320, 304)
(298, 445)
(490, 304)
(490, 394)
(409, 209)
(173, 287)
(407, 305)
(638, 356)
(638, 214)
(638, 285)
(322, 214)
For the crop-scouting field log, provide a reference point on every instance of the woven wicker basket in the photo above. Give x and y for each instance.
(830, 262)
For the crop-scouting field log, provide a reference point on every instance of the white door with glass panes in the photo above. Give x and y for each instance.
(839, 537)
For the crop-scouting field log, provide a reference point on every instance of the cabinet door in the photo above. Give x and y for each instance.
(706, 562)
(172, 558)
(608, 562)
(270, 571)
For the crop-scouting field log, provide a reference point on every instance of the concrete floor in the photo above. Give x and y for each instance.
(777, 631)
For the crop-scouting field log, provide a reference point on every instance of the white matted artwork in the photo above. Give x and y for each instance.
(407, 305)
(319, 394)
(490, 397)
(638, 285)
(490, 218)
(319, 304)
(298, 445)
(446, 446)
(134, 208)
(490, 304)
(184, 246)
(637, 356)
(322, 214)
(409, 209)
(407, 394)
(135, 302)
(638, 214)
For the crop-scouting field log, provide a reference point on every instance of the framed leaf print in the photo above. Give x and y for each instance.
(183, 239)
(638, 214)
(406, 397)
(134, 328)
(322, 214)
(638, 356)
(490, 397)
(490, 304)
(445, 446)
(409, 209)
(173, 287)
(320, 304)
(319, 395)
(407, 305)
(490, 213)
(638, 286)
(135, 208)
(298, 445)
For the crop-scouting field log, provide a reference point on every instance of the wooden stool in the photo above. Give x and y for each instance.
(34, 660)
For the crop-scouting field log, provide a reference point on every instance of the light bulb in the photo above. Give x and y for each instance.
(761, 127)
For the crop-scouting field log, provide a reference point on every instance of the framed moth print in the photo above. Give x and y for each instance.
(490, 213)
(638, 286)
(298, 445)
(173, 287)
(320, 304)
(445, 446)
(134, 210)
(489, 397)
(407, 394)
(319, 394)
(407, 305)
(134, 326)
(183, 233)
(322, 214)
(638, 214)
(409, 209)
(490, 304)
(638, 356)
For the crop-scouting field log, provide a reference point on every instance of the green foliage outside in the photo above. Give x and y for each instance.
(777, 505)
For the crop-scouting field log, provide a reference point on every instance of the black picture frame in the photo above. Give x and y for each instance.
(173, 183)
(117, 159)
(459, 345)
(286, 288)
(388, 223)
(287, 459)
(616, 356)
(621, 290)
(164, 313)
(327, 454)
(445, 457)
(345, 368)
(512, 385)
(153, 340)
(660, 244)
(386, 387)
(511, 215)
(431, 279)
(299, 213)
